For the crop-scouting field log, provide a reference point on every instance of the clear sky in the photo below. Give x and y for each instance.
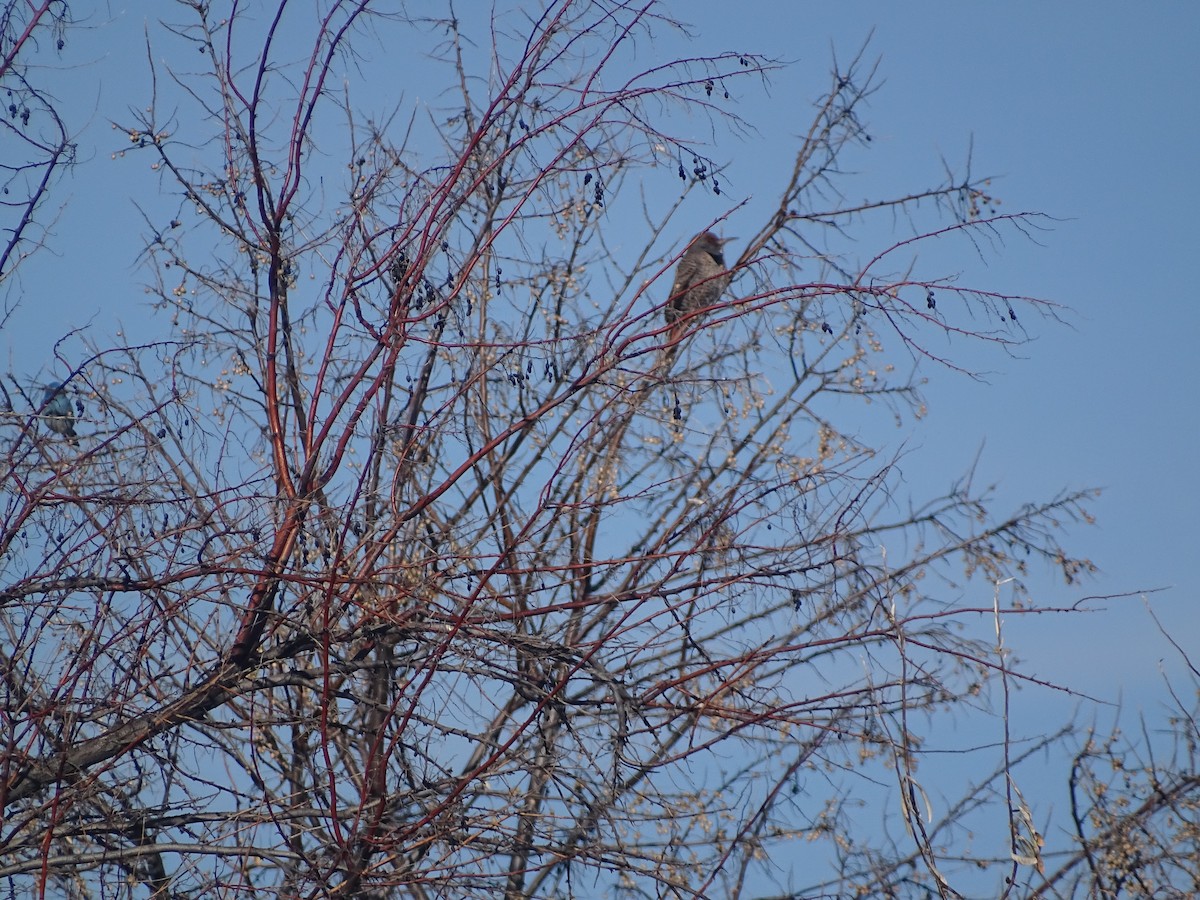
(1086, 111)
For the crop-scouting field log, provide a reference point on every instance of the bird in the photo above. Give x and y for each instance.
(700, 280)
(56, 410)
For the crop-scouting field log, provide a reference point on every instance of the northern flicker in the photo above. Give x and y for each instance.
(700, 280)
(56, 410)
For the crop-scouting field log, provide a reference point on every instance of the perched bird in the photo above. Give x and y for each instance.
(56, 410)
(700, 280)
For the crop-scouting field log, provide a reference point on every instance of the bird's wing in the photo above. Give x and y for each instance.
(685, 275)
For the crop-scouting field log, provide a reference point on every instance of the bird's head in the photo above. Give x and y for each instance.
(709, 241)
(710, 244)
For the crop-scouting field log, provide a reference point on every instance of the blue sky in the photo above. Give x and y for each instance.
(1085, 111)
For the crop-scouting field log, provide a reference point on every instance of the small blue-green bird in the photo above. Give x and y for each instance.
(57, 412)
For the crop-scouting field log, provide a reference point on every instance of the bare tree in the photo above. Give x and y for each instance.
(37, 145)
(1134, 809)
(412, 562)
